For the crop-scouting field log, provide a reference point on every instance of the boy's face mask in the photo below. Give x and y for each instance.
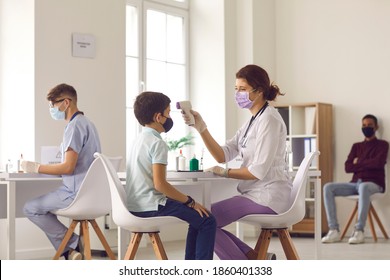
(168, 124)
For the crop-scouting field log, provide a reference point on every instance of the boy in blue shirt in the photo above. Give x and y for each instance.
(148, 192)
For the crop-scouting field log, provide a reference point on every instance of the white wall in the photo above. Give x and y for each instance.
(317, 51)
(16, 79)
(100, 82)
(325, 50)
(255, 40)
(207, 73)
(35, 56)
(337, 52)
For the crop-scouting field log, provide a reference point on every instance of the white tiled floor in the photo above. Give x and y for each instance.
(370, 250)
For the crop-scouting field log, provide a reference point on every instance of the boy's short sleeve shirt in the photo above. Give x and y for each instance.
(148, 149)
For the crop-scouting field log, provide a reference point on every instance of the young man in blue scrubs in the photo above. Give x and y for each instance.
(148, 192)
(80, 142)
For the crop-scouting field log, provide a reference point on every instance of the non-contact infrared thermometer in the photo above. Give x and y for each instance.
(186, 107)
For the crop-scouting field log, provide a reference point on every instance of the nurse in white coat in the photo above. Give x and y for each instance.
(261, 143)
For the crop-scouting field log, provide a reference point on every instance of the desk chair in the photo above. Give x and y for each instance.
(281, 222)
(138, 226)
(91, 201)
(371, 213)
(116, 162)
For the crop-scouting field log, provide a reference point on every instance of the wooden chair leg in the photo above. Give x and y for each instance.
(87, 241)
(263, 243)
(133, 246)
(376, 217)
(371, 224)
(66, 239)
(349, 221)
(287, 244)
(158, 246)
(102, 239)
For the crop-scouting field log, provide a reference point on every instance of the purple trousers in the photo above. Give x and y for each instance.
(227, 245)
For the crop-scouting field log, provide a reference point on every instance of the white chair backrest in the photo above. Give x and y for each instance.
(299, 185)
(116, 162)
(93, 198)
(120, 213)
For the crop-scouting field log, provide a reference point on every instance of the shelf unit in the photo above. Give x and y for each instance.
(309, 128)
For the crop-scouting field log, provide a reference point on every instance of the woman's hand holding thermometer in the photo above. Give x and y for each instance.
(191, 118)
(186, 107)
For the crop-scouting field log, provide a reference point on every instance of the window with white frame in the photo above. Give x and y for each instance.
(156, 58)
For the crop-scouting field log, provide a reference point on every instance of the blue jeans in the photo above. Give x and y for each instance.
(201, 230)
(363, 189)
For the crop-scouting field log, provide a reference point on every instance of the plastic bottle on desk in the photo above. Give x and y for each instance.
(20, 164)
(194, 164)
(181, 162)
(9, 167)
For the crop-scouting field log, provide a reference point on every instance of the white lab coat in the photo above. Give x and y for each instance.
(264, 156)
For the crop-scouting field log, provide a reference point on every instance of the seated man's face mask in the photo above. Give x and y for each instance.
(368, 131)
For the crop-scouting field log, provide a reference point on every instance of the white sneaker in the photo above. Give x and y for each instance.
(75, 255)
(332, 236)
(357, 237)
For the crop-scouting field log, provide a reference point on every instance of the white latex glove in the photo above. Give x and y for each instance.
(218, 170)
(30, 166)
(199, 125)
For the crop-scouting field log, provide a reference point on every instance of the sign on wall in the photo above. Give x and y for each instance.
(83, 45)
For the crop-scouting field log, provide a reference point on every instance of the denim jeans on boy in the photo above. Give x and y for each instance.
(363, 189)
(201, 230)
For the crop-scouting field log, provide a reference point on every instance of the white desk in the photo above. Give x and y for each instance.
(19, 188)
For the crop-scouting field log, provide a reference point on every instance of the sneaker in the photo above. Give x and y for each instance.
(332, 236)
(252, 255)
(271, 256)
(80, 249)
(74, 255)
(357, 237)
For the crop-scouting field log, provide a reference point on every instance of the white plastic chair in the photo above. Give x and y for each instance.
(281, 222)
(138, 226)
(371, 213)
(92, 201)
(116, 162)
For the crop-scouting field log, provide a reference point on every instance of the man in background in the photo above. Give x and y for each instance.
(366, 161)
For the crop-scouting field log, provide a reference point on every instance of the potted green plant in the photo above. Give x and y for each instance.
(174, 145)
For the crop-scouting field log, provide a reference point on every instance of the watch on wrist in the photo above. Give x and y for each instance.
(189, 200)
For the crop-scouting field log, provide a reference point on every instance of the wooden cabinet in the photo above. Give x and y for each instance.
(309, 127)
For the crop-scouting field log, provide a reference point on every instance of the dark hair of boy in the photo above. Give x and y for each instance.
(147, 104)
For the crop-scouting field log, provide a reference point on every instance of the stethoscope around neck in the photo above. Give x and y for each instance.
(244, 139)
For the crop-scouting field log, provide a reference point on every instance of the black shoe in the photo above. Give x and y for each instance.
(65, 255)
(271, 256)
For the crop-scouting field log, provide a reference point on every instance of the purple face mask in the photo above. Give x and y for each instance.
(242, 100)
